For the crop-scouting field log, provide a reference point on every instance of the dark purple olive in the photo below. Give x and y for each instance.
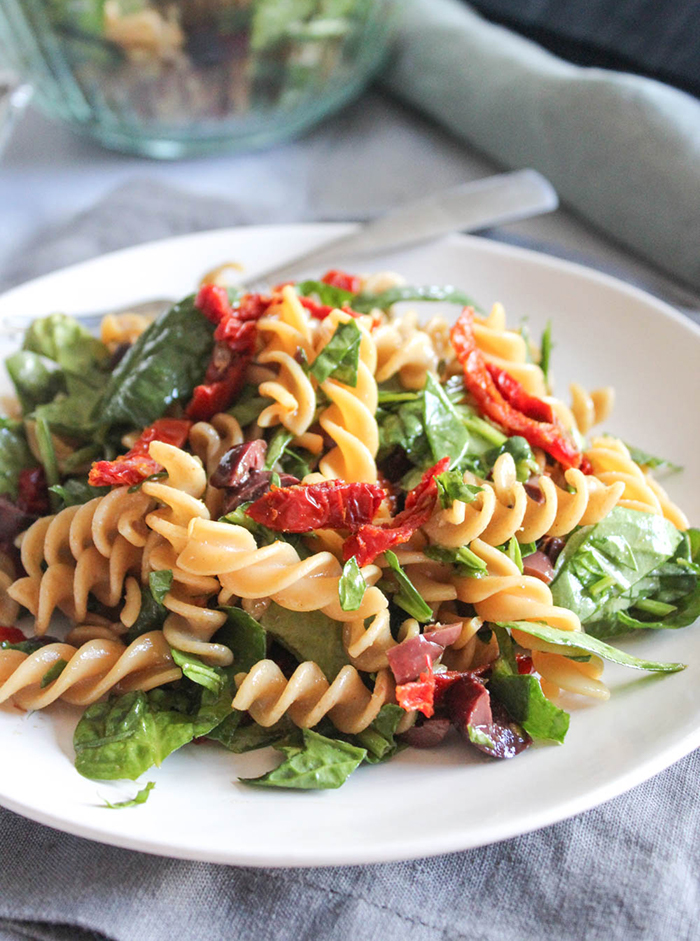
(483, 722)
(533, 490)
(238, 463)
(427, 735)
(13, 521)
(539, 565)
(552, 546)
(255, 486)
(118, 355)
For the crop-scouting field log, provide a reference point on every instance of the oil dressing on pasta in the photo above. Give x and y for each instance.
(319, 520)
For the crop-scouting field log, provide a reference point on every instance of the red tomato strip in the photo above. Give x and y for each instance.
(134, 466)
(420, 694)
(370, 540)
(11, 635)
(235, 334)
(330, 504)
(33, 491)
(343, 280)
(548, 435)
(513, 392)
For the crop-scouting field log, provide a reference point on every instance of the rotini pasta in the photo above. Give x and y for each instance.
(413, 525)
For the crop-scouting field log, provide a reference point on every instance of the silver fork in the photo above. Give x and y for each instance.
(494, 200)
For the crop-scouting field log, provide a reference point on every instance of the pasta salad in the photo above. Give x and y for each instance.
(309, 519)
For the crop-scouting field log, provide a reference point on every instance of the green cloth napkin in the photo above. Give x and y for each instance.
(622, 150)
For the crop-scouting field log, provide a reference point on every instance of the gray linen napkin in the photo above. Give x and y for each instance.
(623, 150)
(626, 870)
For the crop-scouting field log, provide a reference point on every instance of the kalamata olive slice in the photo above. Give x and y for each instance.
(482, 722)
(427, 735)
(539, 565)
(237, 464)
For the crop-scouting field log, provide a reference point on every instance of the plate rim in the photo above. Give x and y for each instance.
(415, 847)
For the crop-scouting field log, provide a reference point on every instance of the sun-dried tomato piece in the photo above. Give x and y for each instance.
(419, 696)
(33, 492)
(11, 635)
(321, 311)
(343, 280)
(330, 504)
(370, 540)
(134, 466)
(213, 302)
(550, 436)
(513, 392)
(217, 396)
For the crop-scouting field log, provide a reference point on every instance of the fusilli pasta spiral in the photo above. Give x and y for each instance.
(91, 670)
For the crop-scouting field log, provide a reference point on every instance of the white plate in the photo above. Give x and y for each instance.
(426, 802)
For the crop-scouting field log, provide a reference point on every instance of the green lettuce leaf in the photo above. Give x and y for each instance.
(580, 644)
(15, 455)
(523, 697)
(318, 763)
(308, 635)
(600, 565)
(364, 303)
(123, 737)
(408, 597)
(644, 459)
(161, 368)
(340, 357)
(36, 379)
(326, 293)
(76, 491)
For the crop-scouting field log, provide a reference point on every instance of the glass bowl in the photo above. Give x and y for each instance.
(172, 79)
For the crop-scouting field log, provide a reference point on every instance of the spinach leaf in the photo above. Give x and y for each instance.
(404, 428)
(389, 396)
(666, 599)
(123, 737)
(244, 738)
(292, 462)
(73, 413)
(308, 635)
(140, 798)
(150, 617)
(47, 453)
(523, 697)
(351, 586)
(244, 636)
(319, 763)
(512, 550)
(644, 459)
(364, 303)
(326, 293)
(53, 672)
(76, 491)
(340, 357)
(36, 379)
(596, 573)
(277, 446)
(378, 738)
(407, 596)
(248, 405)
(447, 435)
(160, 584)
(451, 487)
(546, 351)
(469, 563)
(15, 455)
(579, 644)
(161, 368)
(211, 678)
(64, 340)
(521, 452)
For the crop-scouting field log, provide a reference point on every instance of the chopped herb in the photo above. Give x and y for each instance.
(160, 584)
(451, 487)
(53, 673)
(546, 351)
(140, 798)
(407, 596)
(351, 586)
(469, 563)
